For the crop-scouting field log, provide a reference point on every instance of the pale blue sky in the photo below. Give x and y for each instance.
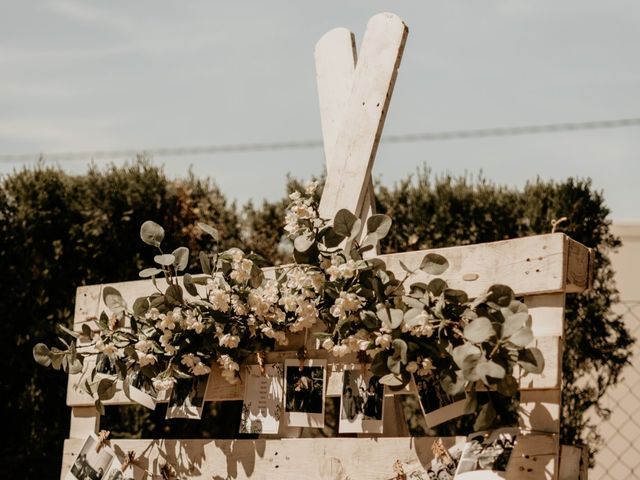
(88, 75)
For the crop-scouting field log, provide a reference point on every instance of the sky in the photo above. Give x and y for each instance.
(94, 75)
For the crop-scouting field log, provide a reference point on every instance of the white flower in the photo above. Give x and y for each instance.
(145, 359)
(241, 270)
(383, 340)
(143, 345)
(229, 341)
(219, 299)
(229, 369)
(192, 323)
(310, 187)
(426, 367)
(340, 350)
(200, 369)
(165, 340)
(113, 322)
(412, 367)
(327, 344)
(152, 314)
(347, 302)
(189, 360)
(239, 307)
(162, 384)
(289, 302)
(168, 321)
(295, 196)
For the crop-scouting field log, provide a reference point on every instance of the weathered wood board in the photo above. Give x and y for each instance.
(534, 457)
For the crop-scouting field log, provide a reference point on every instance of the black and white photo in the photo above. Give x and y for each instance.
(305, 393)
(91, 464)
(486, 454)
(105, 364)
(361, 402)
(436, 404)
(187, 398)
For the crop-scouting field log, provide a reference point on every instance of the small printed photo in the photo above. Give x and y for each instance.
(445, 463)
(487, 452)
(361, 403)
(437, 405)
(105, 365)
(89, 464)
(141, 388)
(263, 398)
(130, 473)
(305, 392)
(187, 398)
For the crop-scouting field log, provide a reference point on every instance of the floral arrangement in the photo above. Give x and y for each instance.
(352, 304)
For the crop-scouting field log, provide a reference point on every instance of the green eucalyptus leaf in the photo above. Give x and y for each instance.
(331, 238)
(379, 224)
(210, 230)
(390, 317)
(369, 241)
(166, 259)
(149, 272)
(400, 350)
(479, 330)
(487, 369)
(344, 223)
(485, 418)
(86, 331)
(99, 406)
(141, 306)
(456, 296)
(151, 233)
(181, 255)
(74, 366)
(466, 355)
(189, 285)
(257, 276)
(205, 263)
(379, 364)
(531, 360)
(522, 337)
(113, 300)
(514, 323)
(42, 355)
(106, 389)
(173, 295)
(302, 243)
(501, 295)
(453, 386)
(436, 287)
(508, 386)
(369, 319)
(434, 264)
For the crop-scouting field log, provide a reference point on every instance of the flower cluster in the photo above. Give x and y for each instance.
(354, 305)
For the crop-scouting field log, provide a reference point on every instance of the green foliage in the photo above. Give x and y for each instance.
(58, 232)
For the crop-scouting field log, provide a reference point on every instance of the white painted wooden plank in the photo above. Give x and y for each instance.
(551, 376)
(539, 410)
(530, 265)
(549, 319)
(570, 458)
(533, 457)
(84, 420)
(373, 82)
(336, 57)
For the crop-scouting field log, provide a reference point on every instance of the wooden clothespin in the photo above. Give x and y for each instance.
(260, 357)
(129, 459)
(302, 356)
(102, 439)
(440, 452)
(167, 471)
(399, 470)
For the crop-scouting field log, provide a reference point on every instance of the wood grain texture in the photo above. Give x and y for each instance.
(356, 146)
(539, 410)
(570, 460)
(84, 420)
(533, 458)
(530, 265)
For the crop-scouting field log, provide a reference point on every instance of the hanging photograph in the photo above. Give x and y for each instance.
(90, 463)
(132, 472)
(361, 402)
(263, 398)
(141, 388)
(305, 393)
(187, 398)
(105, 364)
(486, 454)
(436, 404)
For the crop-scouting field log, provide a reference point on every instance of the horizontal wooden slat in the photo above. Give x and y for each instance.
(533, 458)
(530, 265)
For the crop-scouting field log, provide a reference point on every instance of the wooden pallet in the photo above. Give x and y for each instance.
(354, 98)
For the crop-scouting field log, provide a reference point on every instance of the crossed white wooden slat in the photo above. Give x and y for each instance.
(354, 95)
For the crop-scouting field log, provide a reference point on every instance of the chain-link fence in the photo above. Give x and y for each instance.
(619, 455)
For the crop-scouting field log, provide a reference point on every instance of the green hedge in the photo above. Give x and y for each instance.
(58, 232)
